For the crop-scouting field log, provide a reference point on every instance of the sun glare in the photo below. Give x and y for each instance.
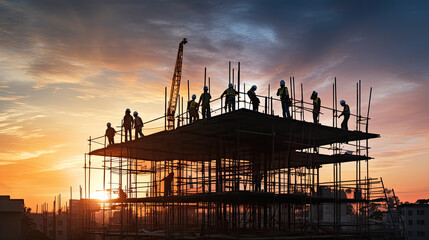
(101, 195)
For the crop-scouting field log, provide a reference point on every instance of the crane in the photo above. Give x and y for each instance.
(175, 86)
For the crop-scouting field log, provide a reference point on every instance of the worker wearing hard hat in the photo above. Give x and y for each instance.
(193, 109)
(284, 97)
(230, 97)
(205, 103)
(138, 125)
(110, 133)
(253, 98)
(316, 106)
(127, 124)
(346, 114)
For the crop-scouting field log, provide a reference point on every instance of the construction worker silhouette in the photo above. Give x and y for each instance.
(138, 125)
(230, 97)
(205, 103)
(193, 109)
(257, 177)
(167, 184)
(284, 97)
(253, 98)
(122, 194)
(110, 134)
(346, 114)
(127, 124)
(316, 106)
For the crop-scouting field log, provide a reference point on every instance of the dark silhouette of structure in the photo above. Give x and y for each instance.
(242, 174)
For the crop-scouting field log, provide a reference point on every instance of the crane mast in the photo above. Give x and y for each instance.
(175, 86)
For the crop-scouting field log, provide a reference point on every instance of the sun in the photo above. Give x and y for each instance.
(100, 195)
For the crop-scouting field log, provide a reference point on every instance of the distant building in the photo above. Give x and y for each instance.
(416, 219)
(46, 224)
(11, 214)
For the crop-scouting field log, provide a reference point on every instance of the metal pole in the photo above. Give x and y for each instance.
(294, 107)
(165, 109)
(238, 82)
(229, 70)
(205, 74)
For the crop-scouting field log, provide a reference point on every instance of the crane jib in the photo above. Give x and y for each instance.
(175, 86)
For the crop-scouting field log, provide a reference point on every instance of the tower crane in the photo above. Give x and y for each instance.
(175, 86)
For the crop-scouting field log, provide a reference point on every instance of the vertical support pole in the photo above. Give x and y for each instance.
(89, 169)
(85, 173)
(209, 84)
(205, 76)
(268, 96)
(165, 109)
(229, 72)
(291, 94)
(187, 113)
(302, 104)
(238, 82)
(336, 102)
(244, 91)
(293, 101)
(233, 74)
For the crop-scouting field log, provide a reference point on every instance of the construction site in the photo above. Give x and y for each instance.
(241, 174)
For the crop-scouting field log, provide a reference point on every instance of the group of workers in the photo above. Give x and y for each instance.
(128, 123)
(282, 92)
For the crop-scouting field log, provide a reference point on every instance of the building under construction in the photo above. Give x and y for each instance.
(241, 174)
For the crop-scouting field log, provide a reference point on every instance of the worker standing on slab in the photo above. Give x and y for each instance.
(193, 109)
(127, 124)
(230, 97)
(253, 98)
(316, 106)
(167, 184)
(138, 125)
(257, 177)
(205, 103)
(110, 133)
(284, 97)
(346, 114)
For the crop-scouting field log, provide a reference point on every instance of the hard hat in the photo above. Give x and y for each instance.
(282, 82)
(128, 110)
(206, 88)
(108, 124)
(254, 87)
(194, 96)
(342, 102)
(135, 113)
(315, 93)
(230, 85)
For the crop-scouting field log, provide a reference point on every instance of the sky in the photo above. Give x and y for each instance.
(68, 67)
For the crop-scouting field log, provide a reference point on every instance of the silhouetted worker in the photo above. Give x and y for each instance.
(138, 125)
(110, 133)
(257, 178)
(122, 194)
(316, 106)
(167, 184)
(230, 97)
(253, 98)
(193, 109)
(127, 124)
(284, 97)
(205, 103)
(346, 114)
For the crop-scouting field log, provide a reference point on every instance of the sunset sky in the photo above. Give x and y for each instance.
(68, 67)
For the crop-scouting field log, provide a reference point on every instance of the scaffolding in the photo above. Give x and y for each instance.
(241, 174)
